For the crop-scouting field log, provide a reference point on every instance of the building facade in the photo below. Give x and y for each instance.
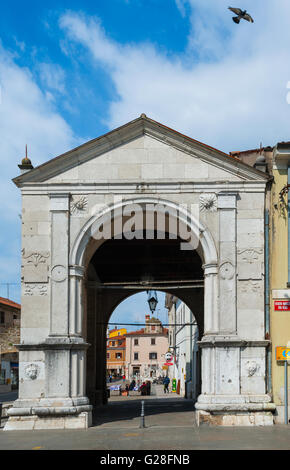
(279, 246)
(183, 344)
(145, 351)
(9, 337)
(116, 352)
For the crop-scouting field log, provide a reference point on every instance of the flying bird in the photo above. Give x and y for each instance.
(242, 15)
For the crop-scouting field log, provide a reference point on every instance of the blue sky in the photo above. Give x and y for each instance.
(71, 71)
(133, 310)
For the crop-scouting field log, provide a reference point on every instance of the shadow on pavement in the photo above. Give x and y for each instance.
(159, 411)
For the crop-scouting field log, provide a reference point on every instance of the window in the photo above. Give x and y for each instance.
(118, 355)
(108, 355)
(135, 356)
(2, 317)
(136, 342)
(153, 327)
(153, 355)
(113, 343)
(153, 341)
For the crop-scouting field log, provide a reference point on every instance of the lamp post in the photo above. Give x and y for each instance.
(152, 300)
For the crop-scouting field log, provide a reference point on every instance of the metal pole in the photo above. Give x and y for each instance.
(286, 391)
(142, 422)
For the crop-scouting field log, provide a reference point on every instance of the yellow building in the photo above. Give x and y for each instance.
(280, 270)
(117, 332)
(116, 352)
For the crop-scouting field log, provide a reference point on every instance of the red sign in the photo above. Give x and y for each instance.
(282, 305)
(168, 364)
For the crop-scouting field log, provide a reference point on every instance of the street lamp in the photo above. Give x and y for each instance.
(152, 300)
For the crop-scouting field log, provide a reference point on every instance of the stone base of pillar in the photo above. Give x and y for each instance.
(20, 423)
(235, 410)
(50, 413)
(238, 418)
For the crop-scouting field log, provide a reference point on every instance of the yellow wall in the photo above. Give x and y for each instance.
(119, 332)
(279, 321)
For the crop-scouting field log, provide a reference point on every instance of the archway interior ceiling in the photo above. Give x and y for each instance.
(122, 260)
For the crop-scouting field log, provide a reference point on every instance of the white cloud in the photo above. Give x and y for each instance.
(229, 87)
(181, 6)
(52, 76)
(134, 308)
(26, 117)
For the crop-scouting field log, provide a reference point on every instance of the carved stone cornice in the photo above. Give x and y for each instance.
(224, 341)
(59, 345)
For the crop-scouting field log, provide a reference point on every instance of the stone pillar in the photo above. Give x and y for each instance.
(91, 337)
(228, 260)
(211, 313)
(61, 371)
(224, 400)
(76, 274)
(59, 288)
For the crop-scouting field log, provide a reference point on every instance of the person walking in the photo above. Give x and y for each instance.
(143, 389)
(166, 382)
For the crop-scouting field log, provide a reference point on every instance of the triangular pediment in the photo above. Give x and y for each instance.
(141, 151)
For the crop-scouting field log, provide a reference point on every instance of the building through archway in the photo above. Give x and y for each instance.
(208, 207)
(120, 268)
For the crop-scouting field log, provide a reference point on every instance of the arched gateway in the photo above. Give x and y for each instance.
(142, 206)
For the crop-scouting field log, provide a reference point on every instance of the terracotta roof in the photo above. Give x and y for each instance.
(9, 303)
(243, 152)
(283, 144)
(137, 332)
(142, 332)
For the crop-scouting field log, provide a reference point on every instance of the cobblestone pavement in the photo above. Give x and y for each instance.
(169, 425)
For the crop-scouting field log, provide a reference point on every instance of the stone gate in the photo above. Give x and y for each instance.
(77, 266)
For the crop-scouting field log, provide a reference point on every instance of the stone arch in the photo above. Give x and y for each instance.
(206, 250)
(209, 252)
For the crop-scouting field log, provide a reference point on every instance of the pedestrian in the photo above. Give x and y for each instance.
(132, 385)
(143, 389)
(148, 387)
(166, 382)
(110, 378)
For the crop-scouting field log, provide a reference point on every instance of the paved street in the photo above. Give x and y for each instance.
(9, 396)
(169, 425)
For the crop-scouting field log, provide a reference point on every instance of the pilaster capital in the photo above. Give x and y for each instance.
(211, 268)
(77, 271)
(59, 201)
(227, 200)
